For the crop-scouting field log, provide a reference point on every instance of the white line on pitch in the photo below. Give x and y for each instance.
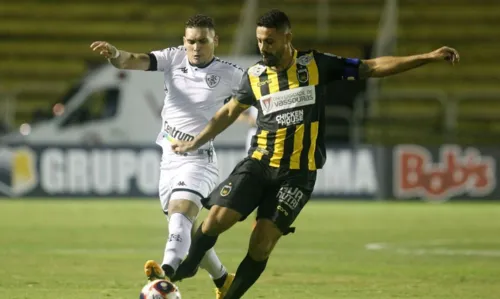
(433, 251)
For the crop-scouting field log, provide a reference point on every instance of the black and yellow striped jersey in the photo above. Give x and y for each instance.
(291, 106)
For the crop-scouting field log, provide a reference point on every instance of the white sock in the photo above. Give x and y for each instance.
(179, 240)
(213, 265)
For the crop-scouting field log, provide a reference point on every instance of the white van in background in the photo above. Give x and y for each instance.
(111, 107)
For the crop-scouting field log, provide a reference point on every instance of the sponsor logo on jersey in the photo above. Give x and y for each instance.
(266, 104)
(256, 70)
(290, 118)
(171, 133)
(290, 196)
(305, 59)
(288, 99)
(262, 83)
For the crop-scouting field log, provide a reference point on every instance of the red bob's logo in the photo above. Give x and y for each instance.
(457, 173)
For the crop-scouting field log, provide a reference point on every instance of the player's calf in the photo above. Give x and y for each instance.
(181, 214)
(264, 237)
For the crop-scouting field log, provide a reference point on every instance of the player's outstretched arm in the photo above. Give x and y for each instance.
(119, 58)
(222, 119)
(390, 65)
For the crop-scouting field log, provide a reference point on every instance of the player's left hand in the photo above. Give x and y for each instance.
(182, 147)
(446, 53)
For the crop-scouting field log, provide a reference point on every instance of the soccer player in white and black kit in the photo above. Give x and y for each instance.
(196, 85)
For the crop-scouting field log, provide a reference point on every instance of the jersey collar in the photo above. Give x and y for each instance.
(204, 66)
(294, 61)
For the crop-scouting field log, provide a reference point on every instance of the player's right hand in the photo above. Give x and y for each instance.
(446, 53)
(104, 49)
(182, 147)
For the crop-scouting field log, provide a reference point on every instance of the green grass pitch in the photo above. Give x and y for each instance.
(82, 249)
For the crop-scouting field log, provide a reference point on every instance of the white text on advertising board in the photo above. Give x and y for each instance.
(124, 171)
(100, 171)
(348, 172)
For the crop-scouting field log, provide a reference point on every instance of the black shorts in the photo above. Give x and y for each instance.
(278, 194)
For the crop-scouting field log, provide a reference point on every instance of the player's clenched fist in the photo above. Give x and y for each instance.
(105, 49)
(446, 53)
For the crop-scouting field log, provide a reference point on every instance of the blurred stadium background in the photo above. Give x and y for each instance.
(427, 135)
(45, 51)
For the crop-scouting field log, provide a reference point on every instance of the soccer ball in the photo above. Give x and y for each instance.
(160, 289)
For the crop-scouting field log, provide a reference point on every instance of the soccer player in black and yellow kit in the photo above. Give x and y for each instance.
(279, 173)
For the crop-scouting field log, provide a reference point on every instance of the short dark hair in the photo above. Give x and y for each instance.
(275, 18)
(200, 21)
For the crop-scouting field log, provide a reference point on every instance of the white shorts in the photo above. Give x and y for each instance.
(187, 177)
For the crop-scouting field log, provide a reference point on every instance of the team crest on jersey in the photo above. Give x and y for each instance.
(302, 75)
(256, 70)
(226, 190)
(304, 59)
(212, 80)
